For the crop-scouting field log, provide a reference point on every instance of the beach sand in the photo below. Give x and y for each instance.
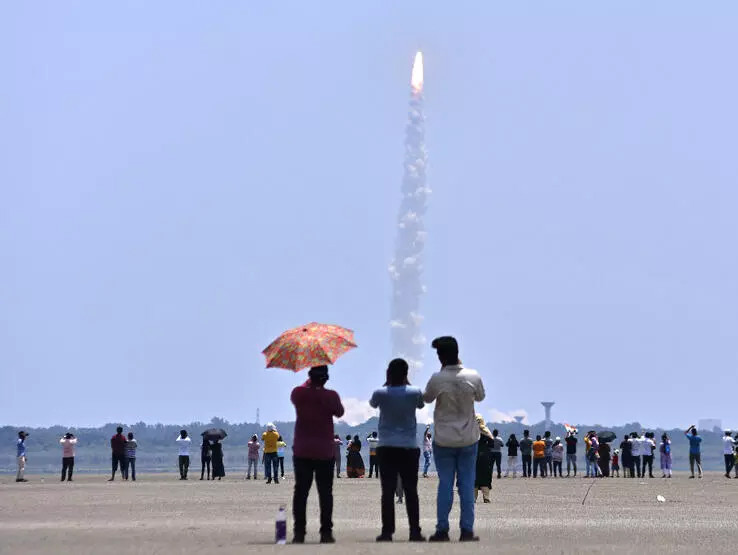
(161, 514)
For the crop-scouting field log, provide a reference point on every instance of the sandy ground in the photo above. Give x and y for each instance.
(160, 514)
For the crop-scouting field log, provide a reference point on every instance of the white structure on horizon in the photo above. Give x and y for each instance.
(547, 407)
(710, 424)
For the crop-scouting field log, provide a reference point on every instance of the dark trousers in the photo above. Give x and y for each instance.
(402, 462)
(184, 466)
(131, 466)
(205, 463)
(637, 461)
(549, 464)
(497, 460)
(305, 469)
(118, 460)
(68, 467)
(648, 462)
(373, 465)
(281, 466)
(271, 464)
(539, 463)
(557, 467)
(527, 462)
(729, 463)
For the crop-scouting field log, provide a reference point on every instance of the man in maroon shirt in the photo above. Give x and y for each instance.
(314, 451)
(118, 445)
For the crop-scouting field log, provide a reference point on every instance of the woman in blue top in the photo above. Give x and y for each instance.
(398, 450)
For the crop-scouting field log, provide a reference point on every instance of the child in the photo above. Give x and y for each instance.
(616, 463)
(281, 446)
(253, 457)
(131, 448)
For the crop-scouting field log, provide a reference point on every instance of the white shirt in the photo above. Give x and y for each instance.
(635, 443)
(728, 445)
(647, 446)
(455, 389)
(184, 446)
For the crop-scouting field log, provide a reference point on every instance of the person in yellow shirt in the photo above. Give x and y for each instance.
(271, 459)
(539, 457)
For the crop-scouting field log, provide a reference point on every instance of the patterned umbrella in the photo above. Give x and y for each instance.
(309, 345)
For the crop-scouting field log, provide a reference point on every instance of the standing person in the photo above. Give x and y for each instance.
(496, 451)
(338, 447)
(558, 457)
(548, 453)
(728, 452)
(626, 457)
(372, 442)
(68, 443)
(539, 457)
(594, 453)
(118, 448)
(587, 447)
(271, 460)
(512, 456)
(313, 450)
(183, 441)
(485, 461)
(427, 450)
(695, 450)
(206, 456)
(354, 462)
(665, 452)
(21, 457)
(616, 463)
(571, 452)
(131, 449)
(397, 449)
(604, 459)
(216, 454)
(253, 457)
(455, 389)
(635, 452)
(648, 446)
(526, 453)
(281, 446)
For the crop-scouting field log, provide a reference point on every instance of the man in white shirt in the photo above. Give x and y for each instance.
(183, 441)
(728, 450)
(648, 446)
(455, 389)
(635, 443)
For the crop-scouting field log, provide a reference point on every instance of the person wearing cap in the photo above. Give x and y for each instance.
(728, 452)
(314, 450)
(68, 442)
(454, 389)
(397, 448)
(21, 457)
(271, 458)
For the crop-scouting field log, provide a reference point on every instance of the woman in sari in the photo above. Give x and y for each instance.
(355, 464)
(216, 450)
(484, 461)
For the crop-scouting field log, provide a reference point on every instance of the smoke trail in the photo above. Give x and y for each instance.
(406, 269)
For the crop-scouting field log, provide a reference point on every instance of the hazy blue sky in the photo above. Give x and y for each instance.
(182, 181)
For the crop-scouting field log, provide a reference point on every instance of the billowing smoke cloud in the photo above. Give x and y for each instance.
(406, 269)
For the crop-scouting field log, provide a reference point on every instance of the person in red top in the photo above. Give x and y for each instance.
(118, 445)
(314, 450)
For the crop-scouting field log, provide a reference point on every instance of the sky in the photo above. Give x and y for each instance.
(181, 182)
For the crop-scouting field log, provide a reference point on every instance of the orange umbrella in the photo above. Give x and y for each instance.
(310, 345)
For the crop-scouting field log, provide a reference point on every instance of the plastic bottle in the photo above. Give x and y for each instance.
(280, 528)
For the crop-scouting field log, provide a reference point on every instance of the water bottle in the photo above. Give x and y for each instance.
(280, 528)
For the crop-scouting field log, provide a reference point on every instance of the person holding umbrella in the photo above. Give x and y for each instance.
(214, 437)
(313, 450)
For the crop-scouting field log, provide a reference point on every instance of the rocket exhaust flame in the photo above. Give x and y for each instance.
(416, 80)
(406, 269)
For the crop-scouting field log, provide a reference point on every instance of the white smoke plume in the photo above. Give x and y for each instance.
(406, 270)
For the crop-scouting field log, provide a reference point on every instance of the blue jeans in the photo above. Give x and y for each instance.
(426, 464)
(271, 462)
(455, 465)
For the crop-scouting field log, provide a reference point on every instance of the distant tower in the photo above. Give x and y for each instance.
(519, 419)
(547, 407)
(258, 418)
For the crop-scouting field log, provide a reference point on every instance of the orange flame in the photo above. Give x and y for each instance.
(417, 76)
